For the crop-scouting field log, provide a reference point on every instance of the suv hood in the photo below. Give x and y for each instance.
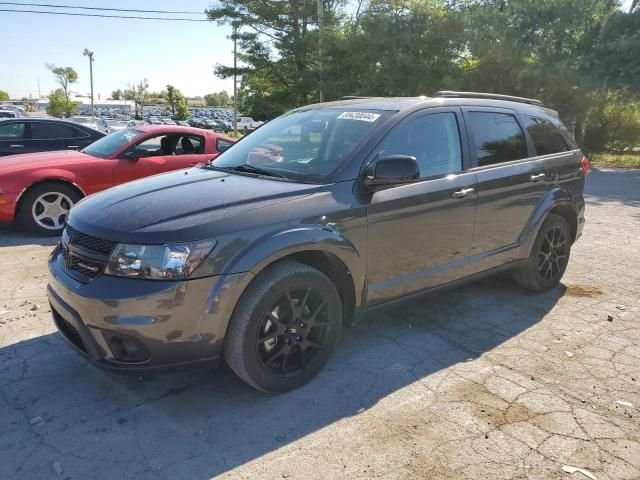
(178, 206)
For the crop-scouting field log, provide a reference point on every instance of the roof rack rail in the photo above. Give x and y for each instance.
(353, 97)
(491, 96)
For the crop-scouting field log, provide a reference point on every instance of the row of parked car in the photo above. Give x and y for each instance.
(53, 163)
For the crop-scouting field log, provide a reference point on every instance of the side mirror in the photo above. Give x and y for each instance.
(392, 170)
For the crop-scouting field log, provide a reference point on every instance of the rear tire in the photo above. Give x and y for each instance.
(549, 256)
(284, 327)
(45, 208)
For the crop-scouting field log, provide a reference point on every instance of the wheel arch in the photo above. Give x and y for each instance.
(321, 248)
(558, 201)
(54, 180)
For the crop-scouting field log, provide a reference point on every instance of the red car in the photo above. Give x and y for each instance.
(40, 188)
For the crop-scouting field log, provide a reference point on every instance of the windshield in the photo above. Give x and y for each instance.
(107, 146)
(307, 146)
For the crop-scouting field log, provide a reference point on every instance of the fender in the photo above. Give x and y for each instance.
(553, 198)
(256, 256)
(49, 175)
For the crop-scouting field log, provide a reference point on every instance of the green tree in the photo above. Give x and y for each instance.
(117, 95)
(59, 106)
(4, 96)
(137, 93)
(176, 103)
(278, 43)
(65, 76)
(394, 48)
(217, 99)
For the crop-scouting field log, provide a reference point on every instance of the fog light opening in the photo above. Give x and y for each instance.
(127, 349)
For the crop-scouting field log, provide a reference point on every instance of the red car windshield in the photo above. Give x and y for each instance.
(107, 146)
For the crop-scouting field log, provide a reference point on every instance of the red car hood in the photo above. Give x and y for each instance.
(30, 161)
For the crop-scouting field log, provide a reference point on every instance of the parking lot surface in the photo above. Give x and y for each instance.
(484, 381)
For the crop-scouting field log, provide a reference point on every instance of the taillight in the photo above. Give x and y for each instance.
(584, 165)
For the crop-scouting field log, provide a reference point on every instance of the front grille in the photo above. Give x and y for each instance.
(91, 255)
(89, 242)
(88, 267)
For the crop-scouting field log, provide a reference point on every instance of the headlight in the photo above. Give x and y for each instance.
(158, 262)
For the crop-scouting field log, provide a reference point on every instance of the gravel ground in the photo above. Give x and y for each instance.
(480, 382)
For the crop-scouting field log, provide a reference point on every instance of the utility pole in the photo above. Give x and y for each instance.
(235, 79)
(320, 65)
(89, 53)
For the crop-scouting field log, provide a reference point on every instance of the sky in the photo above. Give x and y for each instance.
(182, 54)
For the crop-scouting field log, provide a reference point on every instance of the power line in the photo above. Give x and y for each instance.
(99, 8)
(104, 16)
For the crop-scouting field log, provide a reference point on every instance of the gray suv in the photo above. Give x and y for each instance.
(261, 255)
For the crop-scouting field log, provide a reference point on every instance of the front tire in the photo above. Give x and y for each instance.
(284, 327)
(45, 208)
(549, 256)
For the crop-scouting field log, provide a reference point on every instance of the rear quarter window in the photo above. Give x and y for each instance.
(497, 137)
(547, 138)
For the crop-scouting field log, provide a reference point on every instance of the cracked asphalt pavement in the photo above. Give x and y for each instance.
(480, 382)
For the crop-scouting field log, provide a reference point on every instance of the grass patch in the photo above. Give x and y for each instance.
(625, 160)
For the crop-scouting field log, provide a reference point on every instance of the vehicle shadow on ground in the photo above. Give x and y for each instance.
(11, 236)
(198, 425)
(613, 185)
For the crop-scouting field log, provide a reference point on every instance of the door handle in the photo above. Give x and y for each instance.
(16, 146)
(463, 192)
(538, 177)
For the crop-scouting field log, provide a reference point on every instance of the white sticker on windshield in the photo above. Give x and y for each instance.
(362, 116)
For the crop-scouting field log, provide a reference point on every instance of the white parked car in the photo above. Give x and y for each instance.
(109, 126)
(247, 123)
(90, 122)
(8, 114)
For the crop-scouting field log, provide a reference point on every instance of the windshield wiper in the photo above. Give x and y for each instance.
(247, 168)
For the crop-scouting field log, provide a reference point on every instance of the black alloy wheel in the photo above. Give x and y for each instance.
(293, 331)
(553, 254)
(549, 256)
(284, 328)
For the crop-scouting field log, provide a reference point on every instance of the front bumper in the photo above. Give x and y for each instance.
(8, 207)
(167, 324)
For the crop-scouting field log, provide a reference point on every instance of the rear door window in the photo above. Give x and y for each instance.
(545, 135)
(497, 137)
(54, 131)
(12, 131)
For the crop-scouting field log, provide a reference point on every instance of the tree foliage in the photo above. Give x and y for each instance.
(4, 96)
(65, 77)
(136, 92)
(117, 95)
(176, 103)
(59, 106)
(581, 57)
(217, 99)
